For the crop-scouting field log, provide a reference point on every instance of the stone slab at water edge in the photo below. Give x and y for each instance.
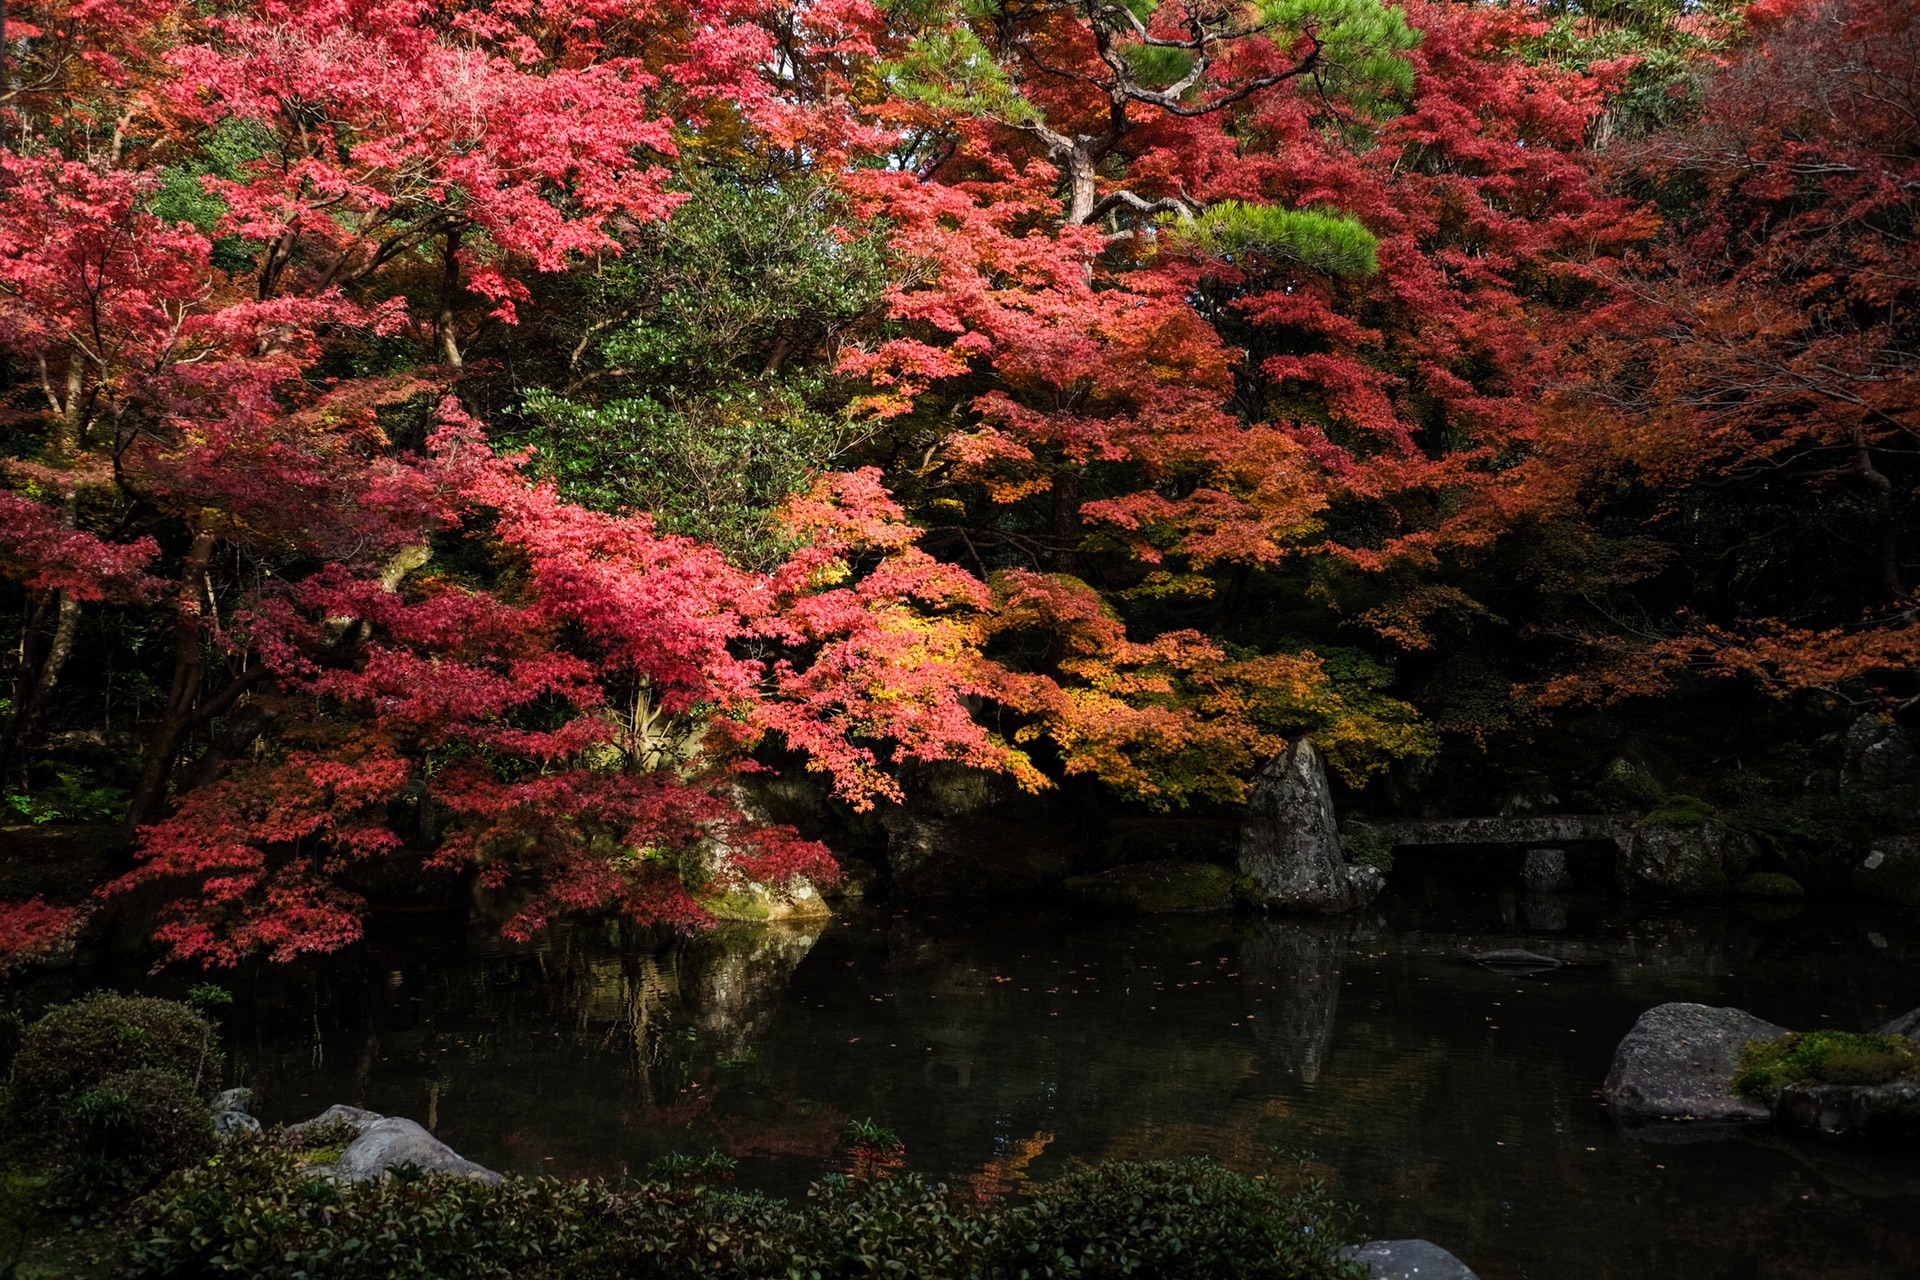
(1679, 1062)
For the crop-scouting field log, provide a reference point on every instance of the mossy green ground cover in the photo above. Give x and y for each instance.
(1824, 1057)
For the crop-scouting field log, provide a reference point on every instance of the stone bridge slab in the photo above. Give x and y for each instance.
(1552, 828)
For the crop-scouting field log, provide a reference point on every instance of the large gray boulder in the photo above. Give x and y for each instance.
(382, 1143)
(1678, 1065)
(1290, 845)
(1690, 860)
(1879, 758)
(1409, 1260)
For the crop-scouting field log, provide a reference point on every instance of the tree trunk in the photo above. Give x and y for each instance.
(189, 669)
(1066, 520)
(449, 290)
(1886, 567)
(1080, 185)
(40, 676)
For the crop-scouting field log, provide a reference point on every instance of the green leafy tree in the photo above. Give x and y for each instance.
(701, 385)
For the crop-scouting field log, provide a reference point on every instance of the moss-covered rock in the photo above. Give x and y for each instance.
(1767, 1067)
(1680, 811)
(754, 903)
(1685, 858)
(1769, 884)
(1157, 888)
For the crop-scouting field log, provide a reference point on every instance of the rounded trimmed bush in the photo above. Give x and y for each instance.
(76, 1046)
(111, 1091)
(129, 1129)
(1175, 1220)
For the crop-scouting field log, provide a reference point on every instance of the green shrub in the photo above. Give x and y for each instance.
(76, 1046)
(1176, 1219)
(678, 1167)
(1823, 1057)
(127, 1130)
(902, 1226)
(253, 1211)
(208, 996)
(110, 1092)
(75, 796)
(1367, 847)
(1626, 785)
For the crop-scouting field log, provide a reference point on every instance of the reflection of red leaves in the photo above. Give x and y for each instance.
(815, 1136)
(867, 1162)
(539, 1151)
(31, 928)
(686, 1107)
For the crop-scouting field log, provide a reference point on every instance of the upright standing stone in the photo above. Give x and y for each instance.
(1289, 844)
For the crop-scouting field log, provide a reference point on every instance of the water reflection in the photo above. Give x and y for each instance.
(1445, 1099)
(1301, 959)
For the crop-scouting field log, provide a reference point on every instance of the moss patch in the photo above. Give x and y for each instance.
(37, 1243)
(1681, 811)
(739, 906)
(1769, 884)
(1823, 1057)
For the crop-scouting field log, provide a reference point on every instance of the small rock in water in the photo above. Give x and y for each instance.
(1514, 960)
(1410, 1260)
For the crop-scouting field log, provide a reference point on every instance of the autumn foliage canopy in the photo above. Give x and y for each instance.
(479, 438)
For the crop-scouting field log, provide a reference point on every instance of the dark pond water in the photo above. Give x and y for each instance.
(1442, 1099)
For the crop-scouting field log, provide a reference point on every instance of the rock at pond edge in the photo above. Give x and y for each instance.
(1907, 1024)
(1883, 1110)
(1678, 1062)
(1409, 1260)
(1686, 860)
(382, 1143)
(1290, 843)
